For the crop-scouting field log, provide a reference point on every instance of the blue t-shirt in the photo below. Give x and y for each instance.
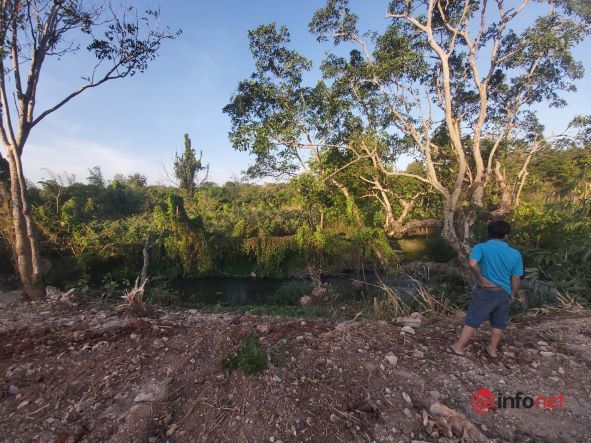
(497, 262)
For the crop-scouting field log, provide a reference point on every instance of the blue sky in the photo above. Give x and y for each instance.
(137, 124)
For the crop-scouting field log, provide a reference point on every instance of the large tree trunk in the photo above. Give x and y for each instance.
(26, 248)
(450, 232)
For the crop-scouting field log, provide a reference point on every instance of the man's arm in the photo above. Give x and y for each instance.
(482, 281)
(516, 274)
(515, 284)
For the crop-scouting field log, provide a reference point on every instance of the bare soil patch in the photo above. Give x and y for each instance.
(85, 373)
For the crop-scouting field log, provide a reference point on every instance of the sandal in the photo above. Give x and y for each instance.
(489, 354)
(452, 351)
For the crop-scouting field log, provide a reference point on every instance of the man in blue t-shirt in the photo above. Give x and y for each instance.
(498, 269)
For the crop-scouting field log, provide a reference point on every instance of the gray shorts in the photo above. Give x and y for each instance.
(488, 304)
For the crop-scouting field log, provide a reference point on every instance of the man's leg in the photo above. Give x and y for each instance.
(495, 338)
(498, 322)
(477, 312)
(465, 336)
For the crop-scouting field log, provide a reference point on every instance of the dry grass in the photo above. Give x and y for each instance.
(567, 303)
(394, 303)
(133, 299)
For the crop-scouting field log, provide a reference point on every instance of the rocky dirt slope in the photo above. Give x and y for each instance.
(83, 373)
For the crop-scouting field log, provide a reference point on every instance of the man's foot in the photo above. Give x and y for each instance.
(491, 353)
(453, 350)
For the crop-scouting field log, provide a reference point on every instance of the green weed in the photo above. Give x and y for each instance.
(251, 358)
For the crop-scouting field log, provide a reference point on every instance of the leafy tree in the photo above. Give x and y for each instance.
(56, 183)
(135, 180)
(95, 177)
(449, 83)
(427, 74)
(31, 33)
(187, 168)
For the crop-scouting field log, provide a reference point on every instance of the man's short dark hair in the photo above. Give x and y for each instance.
(498, 229)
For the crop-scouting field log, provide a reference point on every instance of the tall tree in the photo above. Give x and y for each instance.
(187, 167)
(455, 84)
(32, 32)
(452, 84)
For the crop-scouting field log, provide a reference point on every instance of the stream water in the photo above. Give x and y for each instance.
(257, 291)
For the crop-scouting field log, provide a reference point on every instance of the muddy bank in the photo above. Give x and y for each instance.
(83, 373)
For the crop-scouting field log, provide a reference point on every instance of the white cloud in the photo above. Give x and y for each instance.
(76, 155)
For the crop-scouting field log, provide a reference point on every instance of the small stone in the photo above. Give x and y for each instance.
(561, 370)
(413, 321)
(133, 336)
(483, 427)
(406, 398)
(334, 418)
(171, 430)
(262, 329)
(12, 390)
(391, 358)
(418, 354)
(408, 330)
(407, 412)
(144, 397)
(277, 379)
(546, 353)
(22, 404)
(305, 300)
(542, 343)
(192, 361)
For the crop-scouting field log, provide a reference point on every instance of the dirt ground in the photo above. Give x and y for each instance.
(84, 373)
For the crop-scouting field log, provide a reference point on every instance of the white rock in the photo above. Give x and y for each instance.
(22, 404)
(414, 321)
(144, 397)
(305, 300)
(546, 353)
(406, 398)
(392, 359)
(171, 430)
(408, 330)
